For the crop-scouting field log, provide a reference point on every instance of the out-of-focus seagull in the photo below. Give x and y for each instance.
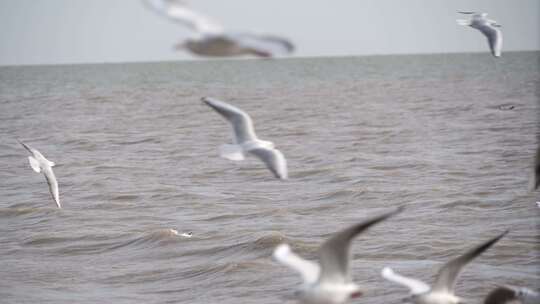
(245, 140)
(512, 295)
(488, 27)
(39, 163)
(443, 289)
(328, 282)
(211, 39)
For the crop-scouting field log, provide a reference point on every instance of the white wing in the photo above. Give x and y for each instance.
(240, 120)
(53, 185)
(263, 45)
(307, 269)
(273, 159)
(416, 286)
(177, 11)
(34, 164)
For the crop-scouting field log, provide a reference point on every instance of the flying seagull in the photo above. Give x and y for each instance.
(490, 29)
(328, 282)
(39, 163)
(245, 140)
(443, 289)
(512, 295)
(211, 39)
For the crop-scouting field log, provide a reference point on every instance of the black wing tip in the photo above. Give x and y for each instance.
(486, 245)
(383, 216)
(211, 101)
(24, 145)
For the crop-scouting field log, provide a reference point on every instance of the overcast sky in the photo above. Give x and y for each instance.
(77, 31)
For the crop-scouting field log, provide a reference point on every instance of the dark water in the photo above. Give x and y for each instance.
(137, 155)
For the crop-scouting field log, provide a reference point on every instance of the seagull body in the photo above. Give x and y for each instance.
(442, 291)
(488, 27)
(245, 140)
(39, 163)
(512, 295)
(328, 282)
(211, 39)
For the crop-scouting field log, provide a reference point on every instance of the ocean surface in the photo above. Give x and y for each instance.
(450, 137)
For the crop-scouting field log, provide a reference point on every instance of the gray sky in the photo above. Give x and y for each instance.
(75, 31)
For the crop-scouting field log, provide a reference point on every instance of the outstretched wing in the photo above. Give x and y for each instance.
(273, 159)
(240, 120)
(494, 37)
(447, 275)
(307, 269)
(178, 11)
(416, 286)
(334, 253)
(263, 45)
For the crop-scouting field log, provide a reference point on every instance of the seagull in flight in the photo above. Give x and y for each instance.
(488, 27)
(245, 140)
(212, 40)
(512, 295)
(442, 291)
(39, 163)
(328, 282)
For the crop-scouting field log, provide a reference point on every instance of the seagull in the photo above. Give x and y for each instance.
(212, 40)
(488, 27)
(512, 295)
(328, 282)
(39, 163)
(443, 289)
(245, 140)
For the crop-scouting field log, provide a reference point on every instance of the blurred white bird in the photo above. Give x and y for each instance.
(488, 27)
(512, 295)
(245, 140)
(211, 39)
(328, 282)
(443, 289)
(40, 164)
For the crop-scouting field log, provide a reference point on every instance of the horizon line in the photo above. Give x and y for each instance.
(209, 59)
